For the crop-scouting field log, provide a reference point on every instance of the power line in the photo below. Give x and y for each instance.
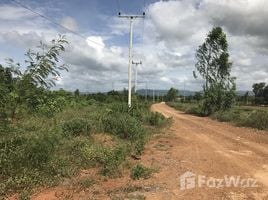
(118, 5)
(55, 23)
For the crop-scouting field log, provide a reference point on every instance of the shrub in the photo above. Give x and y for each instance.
(157, 119)
(50, 106)
(256, 119)
(76, 127)
(139, 171)
(196, 110)
(86, 182)
(108, 158)
(226, 116)
(38, 150)
(124, 126)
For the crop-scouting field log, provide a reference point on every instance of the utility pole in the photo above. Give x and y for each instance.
(146, 94)
(184, 90)
(136, 74)
(131, 18)
(153, 95)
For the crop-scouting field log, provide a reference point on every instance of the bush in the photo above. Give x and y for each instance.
(108, 158)
(49, 106)
(76, 127)
(157, 119)
(226, 116)
(124, 126)
(139, 171)
(256, 119)
(196, 110)
(38, 150)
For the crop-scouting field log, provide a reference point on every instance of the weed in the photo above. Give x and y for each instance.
(24, 195)
(86, 182)
(76, 127)
(157, 119)
(256, 119)
(139, 171)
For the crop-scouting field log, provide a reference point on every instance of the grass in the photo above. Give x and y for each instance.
(247, 116)
(139, 171)
(39, 150)
(86, 182)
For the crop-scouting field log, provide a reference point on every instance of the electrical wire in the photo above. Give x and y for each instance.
(118, 5)
(55, 23)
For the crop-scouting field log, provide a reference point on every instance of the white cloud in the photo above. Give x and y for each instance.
(172, 32)
(69, 23)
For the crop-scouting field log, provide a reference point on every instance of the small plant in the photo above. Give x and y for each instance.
(256, 119)
(157, 119)
(86, 182)
(24, 195)
(76, 127)
(124, 126)
(139, 171)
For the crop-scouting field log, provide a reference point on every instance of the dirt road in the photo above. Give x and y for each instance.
(213, 149)
(208, 149)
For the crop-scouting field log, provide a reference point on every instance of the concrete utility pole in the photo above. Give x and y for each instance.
(131, 18)
(136, 74)
(146, 94)
(153, 95)
(184, 90)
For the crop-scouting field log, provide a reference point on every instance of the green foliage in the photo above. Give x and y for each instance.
(249, 117)
(75, 127)
(256, 119)
(37, 150)
(139, 171)
(157, 119)
(23, 89)
(189, 108)
(172, 94)
(214, 67)
(261, 93)
(24, 195)
(86, 182)
(108, 158)
(50, 106)
(124, 126)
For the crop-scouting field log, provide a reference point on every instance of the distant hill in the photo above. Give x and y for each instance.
(163, 92)
(182, 92)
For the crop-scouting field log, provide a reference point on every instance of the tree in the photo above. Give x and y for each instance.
(214, 67)
(42, 69)
(258, 90)
(245, 97)
(265, 94)
(172, 94)
(197, 96)
(77, 93)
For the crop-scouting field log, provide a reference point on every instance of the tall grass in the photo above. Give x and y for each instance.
(240, 116)
(40, 150)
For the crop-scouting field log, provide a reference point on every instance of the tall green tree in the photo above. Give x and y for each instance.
(42, 69)
(214, 67)
(260, 91)
(265, 94)
(172, 94)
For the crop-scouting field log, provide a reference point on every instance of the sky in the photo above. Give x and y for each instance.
(165, 41)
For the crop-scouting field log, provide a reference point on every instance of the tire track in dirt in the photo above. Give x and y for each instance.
(228, 150)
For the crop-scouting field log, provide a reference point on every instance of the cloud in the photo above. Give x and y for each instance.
(69, 23)
(11, 13)
(165, 41)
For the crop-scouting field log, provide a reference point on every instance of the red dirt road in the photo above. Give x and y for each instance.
(215, 149)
